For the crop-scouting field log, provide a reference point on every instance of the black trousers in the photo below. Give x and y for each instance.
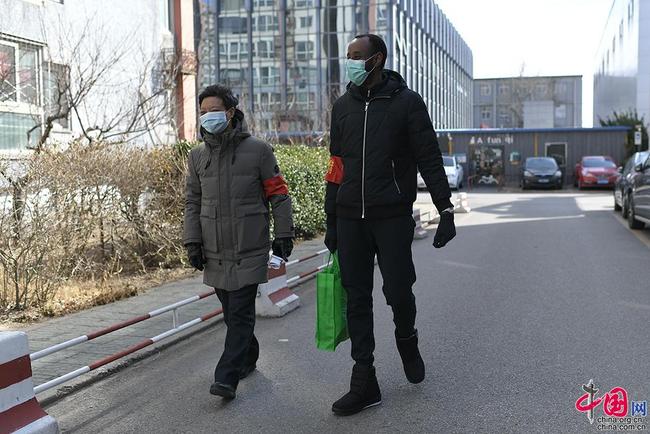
(358, 242)
(241, 348)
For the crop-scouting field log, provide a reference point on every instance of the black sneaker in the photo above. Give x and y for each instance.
(224, 390)
(246, 371)
(364, 392)
(411, 358)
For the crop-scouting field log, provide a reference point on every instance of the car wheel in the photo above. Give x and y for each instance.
(632, 222)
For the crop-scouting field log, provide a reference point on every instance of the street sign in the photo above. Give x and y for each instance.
(637, 138)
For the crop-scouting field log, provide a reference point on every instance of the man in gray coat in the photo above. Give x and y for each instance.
(232, 180)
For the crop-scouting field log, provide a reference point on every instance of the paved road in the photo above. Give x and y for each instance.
(538, 294)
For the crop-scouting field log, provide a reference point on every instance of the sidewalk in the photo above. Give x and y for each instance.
(55, 331)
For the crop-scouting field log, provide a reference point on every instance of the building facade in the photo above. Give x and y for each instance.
(74, 68)
(622, 72)
(494, 157)
(286, 58)
(528, 102)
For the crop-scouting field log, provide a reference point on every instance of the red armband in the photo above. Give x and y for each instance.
(275, 186)
(335, 170)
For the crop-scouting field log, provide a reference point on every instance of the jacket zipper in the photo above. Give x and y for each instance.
(394, 178)
(363, 161)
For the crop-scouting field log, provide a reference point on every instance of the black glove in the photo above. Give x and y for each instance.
(195, 255)
(282, 247)
(446, 230)
(330, 235)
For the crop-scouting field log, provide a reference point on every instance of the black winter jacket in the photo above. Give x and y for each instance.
(379, 138)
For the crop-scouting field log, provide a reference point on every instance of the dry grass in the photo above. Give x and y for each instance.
(74, 296)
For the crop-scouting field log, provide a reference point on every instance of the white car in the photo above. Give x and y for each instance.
(454, 173)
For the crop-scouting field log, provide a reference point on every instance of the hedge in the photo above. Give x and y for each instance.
(304, 169)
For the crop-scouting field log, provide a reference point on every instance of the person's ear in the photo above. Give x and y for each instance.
(230, 113)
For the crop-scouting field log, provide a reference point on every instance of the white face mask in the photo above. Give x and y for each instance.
(214, 122)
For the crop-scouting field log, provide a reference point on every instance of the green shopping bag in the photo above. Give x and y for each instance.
(331, 307)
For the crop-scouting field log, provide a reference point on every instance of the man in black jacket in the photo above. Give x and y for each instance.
(381, 134)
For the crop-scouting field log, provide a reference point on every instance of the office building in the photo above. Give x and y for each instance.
(528, 102)
(286, 58)
(622, 72)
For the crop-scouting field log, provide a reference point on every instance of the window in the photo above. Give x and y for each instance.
(235, 25)
(304, 3)
(486, 90)
(57, 82)
(504, 89)
(232, 5)
(269, 75)
(263, 3)
(304, 50)
(306, 22)
(13, 128)
(382, 17)
(265, 49)
(8, 76)
(19, 73)
(267, 23)
(486, 113)
(541, 89)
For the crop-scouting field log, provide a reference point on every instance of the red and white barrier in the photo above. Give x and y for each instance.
(274, 298)
(20, 412)
(419, 232)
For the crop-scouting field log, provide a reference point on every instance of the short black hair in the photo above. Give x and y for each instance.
(222, 92)
(378, 45)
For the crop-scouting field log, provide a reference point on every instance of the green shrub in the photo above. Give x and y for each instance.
(304, 169)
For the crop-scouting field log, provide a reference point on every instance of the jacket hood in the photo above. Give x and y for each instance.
(391, 84)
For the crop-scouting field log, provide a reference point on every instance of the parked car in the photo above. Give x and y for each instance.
(540, 172)
(454, 173)
(595, 171)
(638, 198)
(624, 182)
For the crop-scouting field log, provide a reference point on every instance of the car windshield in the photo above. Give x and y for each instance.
(448, 161)
(598, 162)
(541, 164)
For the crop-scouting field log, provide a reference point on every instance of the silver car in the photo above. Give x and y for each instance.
(454, 173)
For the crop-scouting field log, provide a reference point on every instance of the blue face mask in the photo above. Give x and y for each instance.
(356, 70)
(214, 122)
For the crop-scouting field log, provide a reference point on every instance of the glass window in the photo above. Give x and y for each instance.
(598, 162)
(306, 22)
(263, 3)
(265, 49)
(504, 89)
(235, 25)
(304, 50)
(56, 84)
(267, 23)
(8, 74)
(486, 113)
(13, 129)
(232, 5)
(269, 75)
(304, 3)
(486, 90)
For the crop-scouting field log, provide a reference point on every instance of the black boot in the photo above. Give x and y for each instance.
(224, 390)
(413, 363)
(364, 392)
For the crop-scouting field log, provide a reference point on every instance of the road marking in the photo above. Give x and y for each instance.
(637, 233)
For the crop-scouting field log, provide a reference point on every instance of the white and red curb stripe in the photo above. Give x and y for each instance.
(20, 412)
(274, 298)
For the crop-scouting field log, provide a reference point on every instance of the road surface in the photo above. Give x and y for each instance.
(538, 294)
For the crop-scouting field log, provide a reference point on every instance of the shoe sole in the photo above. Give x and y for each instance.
(226, 394)
(355, 411)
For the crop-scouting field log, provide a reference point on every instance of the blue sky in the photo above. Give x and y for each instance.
(544, 37)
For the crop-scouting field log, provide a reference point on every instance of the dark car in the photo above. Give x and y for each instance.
(638, 198)
(540, 172)
(623, 183)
